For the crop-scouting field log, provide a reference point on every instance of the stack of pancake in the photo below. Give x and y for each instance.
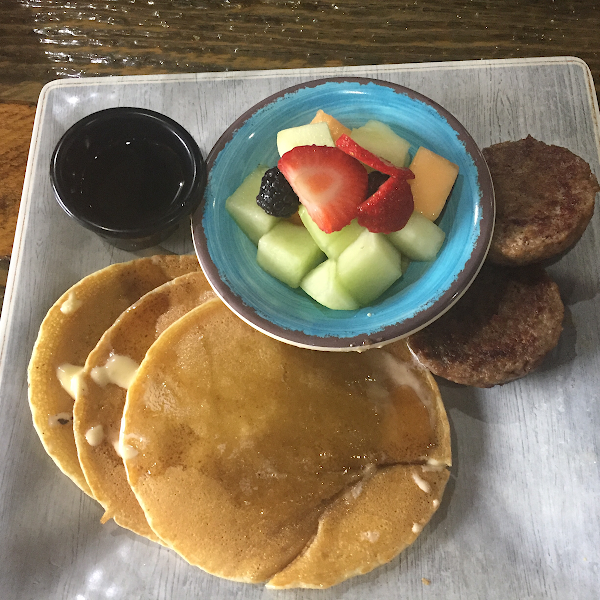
(254, 460)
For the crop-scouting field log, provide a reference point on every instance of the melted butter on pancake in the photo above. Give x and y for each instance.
(71, 304)
(70, 379)
(124, 450)
(432, 464)
(248, 441)
(423, 485)
(118, 369)
(95, 435)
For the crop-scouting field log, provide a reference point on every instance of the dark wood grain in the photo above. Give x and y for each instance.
(43, 40)
(16, 122)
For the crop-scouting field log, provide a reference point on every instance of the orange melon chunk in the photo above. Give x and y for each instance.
(335, 127)
(434, 178)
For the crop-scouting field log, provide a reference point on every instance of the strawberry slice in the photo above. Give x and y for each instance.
(349, 146)
(389, 208)
(330, 183)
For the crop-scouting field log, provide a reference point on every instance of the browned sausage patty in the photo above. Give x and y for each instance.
(544, 200)
(500, 330)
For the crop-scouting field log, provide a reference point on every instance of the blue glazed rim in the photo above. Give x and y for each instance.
(424, 293)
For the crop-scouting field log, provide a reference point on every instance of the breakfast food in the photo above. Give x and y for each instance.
(368, 527)
(69, 333)
(500, 330)
(434, 177)
(336, 129)
(380, 139)
(259, 461)
(545, 198)
(329, 183)
(276, 196)
(343, 184)
(108, 370)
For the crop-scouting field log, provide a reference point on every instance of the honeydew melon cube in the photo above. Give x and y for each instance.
(323, 285)
(288, 253)
(404, 262)
(368, 267)
(434, 178)
(419, 239)
(241, 205)
(333, 244)
(311, 134)
(381, 140)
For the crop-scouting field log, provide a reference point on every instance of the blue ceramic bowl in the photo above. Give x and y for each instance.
(421, 295)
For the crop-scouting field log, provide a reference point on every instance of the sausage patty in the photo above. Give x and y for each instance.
(500, 330)
(544, 200)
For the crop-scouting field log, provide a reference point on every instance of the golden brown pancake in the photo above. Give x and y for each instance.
(69, 333)
(367, 527)
(241, 448)
(99, 407)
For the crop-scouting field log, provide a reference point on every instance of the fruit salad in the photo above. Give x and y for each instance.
(341, 215)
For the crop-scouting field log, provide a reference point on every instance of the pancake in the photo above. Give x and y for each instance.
(240, 449)
(367, 527)
(69, 332)
(99, 406)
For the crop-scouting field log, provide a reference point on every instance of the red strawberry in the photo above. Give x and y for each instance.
(349, 146)
(330, 183)
(389, 208)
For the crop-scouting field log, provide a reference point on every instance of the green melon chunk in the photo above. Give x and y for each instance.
(419, 239)
(241, 205)
(333, 244)
(404, 263)
(311, 134)
(323, 285)
(378, 138)
(288, 253)
(369, 266)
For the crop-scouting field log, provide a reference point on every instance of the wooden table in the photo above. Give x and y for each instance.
(47, 39)
(52, 39)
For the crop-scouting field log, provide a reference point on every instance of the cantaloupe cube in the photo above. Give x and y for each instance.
(335, 127)
(434, 178)
(311, 134)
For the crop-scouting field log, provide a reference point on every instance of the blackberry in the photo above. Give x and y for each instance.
(376, 178)
(276, 196)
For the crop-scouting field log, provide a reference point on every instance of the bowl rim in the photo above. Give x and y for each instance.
(393, 331)
(193, 190)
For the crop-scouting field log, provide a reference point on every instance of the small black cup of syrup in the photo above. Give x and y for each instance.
(131, 175)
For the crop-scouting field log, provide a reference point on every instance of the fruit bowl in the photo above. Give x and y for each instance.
(422, 294)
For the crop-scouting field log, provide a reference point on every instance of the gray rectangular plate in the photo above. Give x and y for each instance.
(521, 515)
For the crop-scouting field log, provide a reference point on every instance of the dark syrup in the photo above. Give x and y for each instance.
(131, 183)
